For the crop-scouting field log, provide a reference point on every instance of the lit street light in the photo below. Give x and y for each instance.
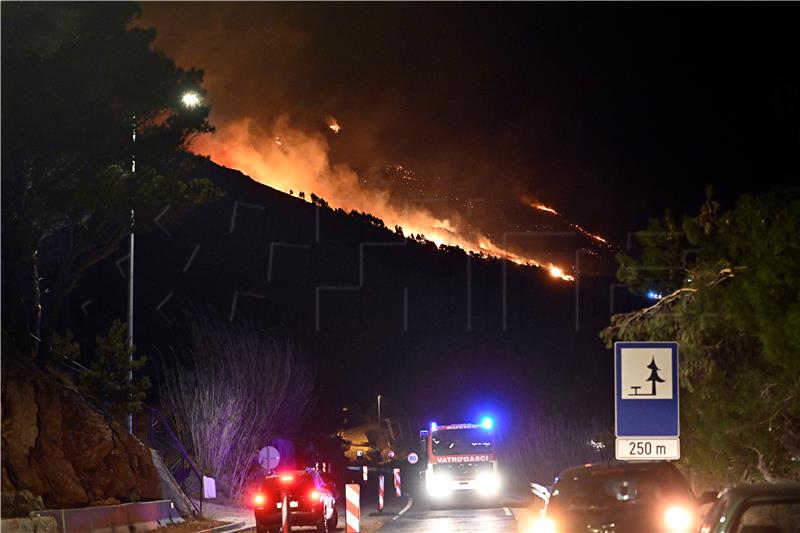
(190, 99)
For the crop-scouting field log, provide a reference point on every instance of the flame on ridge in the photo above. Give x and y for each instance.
(288, 159)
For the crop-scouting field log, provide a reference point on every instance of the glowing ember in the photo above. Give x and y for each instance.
(333, 124)
(542, 207)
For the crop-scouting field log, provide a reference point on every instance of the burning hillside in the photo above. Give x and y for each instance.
(293, 161)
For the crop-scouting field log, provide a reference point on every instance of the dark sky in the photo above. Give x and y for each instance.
(611, 113)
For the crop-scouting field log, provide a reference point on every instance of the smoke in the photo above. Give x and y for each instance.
(276, 75)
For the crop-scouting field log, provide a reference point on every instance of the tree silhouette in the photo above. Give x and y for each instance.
(654, 377)
(81, 73)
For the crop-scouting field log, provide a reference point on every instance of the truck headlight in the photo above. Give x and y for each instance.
(488, 483)
(439, 485)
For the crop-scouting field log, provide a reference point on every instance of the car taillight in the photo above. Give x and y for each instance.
(315, 495)
(259, 499)
(287, 478)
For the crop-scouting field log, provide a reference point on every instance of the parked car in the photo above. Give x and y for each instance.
(311, 501)
(621, 497)
(762, 508)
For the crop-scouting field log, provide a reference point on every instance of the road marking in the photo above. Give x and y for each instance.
(404, 509)
(507, 511)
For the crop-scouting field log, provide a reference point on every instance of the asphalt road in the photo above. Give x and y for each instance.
(419, 519)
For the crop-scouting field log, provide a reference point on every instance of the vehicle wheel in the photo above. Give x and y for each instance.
(322, 525)
(333, 521)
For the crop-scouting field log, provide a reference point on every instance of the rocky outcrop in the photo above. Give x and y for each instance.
(60, 448)
(39, 524)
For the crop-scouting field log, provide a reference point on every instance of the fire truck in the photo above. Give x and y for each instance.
(462, 461)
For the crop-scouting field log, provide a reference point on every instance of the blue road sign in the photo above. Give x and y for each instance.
(646, 389)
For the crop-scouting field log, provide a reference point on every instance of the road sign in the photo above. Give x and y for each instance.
(646, 400)
(268, 458)
(412, 458)
(640, 449)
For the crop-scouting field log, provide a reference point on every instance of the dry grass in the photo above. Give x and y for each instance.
(192, 526)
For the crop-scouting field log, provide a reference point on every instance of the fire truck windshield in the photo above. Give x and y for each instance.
(461, 441)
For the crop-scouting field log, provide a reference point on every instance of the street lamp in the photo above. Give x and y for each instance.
(190, 99)
(379, 409)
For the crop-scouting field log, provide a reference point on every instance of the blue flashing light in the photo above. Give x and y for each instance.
(433, 426)
(487, 423)
(653, 295)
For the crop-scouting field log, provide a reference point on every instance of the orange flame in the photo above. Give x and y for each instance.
(286, 158)
(542, 207)
(333, 124)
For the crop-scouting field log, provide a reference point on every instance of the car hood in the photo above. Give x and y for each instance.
(608, 520)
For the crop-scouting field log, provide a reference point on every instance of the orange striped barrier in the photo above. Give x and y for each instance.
(352, 507)
(380, 492)
(397, 490)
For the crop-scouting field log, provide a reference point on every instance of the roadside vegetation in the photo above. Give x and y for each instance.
(230, 392)
(541, 445)
(729, 280)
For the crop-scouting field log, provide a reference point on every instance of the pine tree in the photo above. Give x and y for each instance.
(106, 380)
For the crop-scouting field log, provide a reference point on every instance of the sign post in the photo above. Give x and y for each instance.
(646, 404)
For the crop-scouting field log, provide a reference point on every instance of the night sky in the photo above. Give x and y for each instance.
(609, 113)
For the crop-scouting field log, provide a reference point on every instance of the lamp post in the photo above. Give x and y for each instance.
(130, 279)
(379, 409)
(190, 100)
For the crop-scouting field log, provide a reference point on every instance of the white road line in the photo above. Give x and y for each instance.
(507, 511)
(404, 509)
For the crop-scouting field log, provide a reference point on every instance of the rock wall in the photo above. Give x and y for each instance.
(60, 448)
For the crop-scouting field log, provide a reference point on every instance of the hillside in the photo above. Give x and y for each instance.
(378, 312)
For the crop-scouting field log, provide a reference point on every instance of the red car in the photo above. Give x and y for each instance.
(312, 501)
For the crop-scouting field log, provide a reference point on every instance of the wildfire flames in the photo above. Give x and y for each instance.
(541, 207)
(333, 124)
(288, 159)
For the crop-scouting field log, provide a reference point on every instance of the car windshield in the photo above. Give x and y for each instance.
(614, 488)
(461, 441)
(770, 517)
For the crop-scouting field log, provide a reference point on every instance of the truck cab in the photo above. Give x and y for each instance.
(462, 461)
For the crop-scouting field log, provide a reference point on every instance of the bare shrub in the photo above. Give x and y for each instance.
(538, 448)
(239, 390)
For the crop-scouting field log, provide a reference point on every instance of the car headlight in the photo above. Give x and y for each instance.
(678, 519)
(543, 525)
(488, 483)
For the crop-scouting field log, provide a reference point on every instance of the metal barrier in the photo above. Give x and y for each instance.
(122, 518)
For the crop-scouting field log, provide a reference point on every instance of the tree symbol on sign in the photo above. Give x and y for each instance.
(654, 377)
